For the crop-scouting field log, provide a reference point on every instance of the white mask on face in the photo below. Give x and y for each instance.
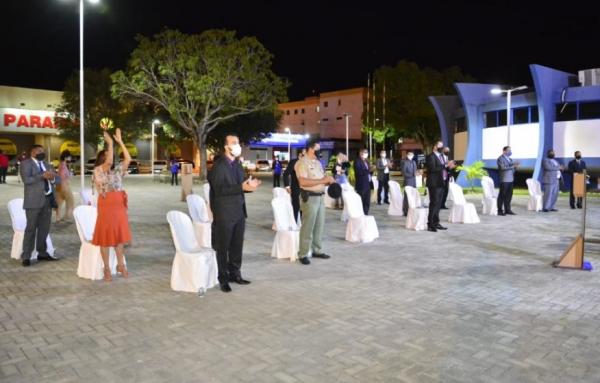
(383, 155)
(410, 157)
(235, 149)
(365, 155)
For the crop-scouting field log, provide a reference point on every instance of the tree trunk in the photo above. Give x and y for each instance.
(201, 143)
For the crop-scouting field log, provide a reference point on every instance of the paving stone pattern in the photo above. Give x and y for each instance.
(477, 303)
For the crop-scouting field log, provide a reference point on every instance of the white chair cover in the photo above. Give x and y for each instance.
(416, 218)
(88, 198)
(90, 260)
(360, 228)
(461, 210)
(535, 195)
(280, 193)
(287, 237)
(396, 199)
(201, 219)
(206, 190)
(375, 188)
(19, 223)
(490, 197)
(194, 268)
(345, 187)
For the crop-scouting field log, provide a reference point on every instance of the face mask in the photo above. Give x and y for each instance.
(235, 150)
(365, 155)
(40, 156)
(578, 157)
(509, 153)
(410, 157)
(551, 155)
(383, 155)
(446, 152)
(318, 153)
(439, 148)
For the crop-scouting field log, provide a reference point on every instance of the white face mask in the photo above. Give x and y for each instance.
(365, 155)
(410, 157)
(383, 155)
(235, 149)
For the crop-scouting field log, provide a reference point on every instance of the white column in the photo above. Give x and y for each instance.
(81, 95)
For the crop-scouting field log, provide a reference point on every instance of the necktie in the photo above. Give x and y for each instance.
(445, 172)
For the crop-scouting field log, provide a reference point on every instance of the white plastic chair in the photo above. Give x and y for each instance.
(461, 210)
(90, 260)
(200, 218)
(88, 198)
(194, 267)
(535, 195)
(375, 188)
(490, 197)
(206, 190)
(360, 228)
(396, 199)
(280, 193)
(416, 217)
(287, 237)
(19, 224)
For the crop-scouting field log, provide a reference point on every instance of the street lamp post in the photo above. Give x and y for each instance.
(289, 131)
(508, 100)
(347, 132)
(152, 155)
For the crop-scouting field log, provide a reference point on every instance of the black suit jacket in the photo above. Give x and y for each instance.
(289, 177)
(227, 200)
(435, 169)
(574, 167)
(361, 175)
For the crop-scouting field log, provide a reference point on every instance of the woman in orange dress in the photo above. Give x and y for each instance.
(112, 225)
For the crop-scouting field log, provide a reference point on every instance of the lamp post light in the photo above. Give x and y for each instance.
(152, 154)
(497, 91)
(289, 132)
(347, 132)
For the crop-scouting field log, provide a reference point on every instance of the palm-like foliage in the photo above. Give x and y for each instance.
(475, 171)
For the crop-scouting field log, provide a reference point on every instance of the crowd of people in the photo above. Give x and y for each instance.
(305, 179)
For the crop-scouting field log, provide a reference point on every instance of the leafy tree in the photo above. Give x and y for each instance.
(201, 80)
(475, 171)
(249, 127)
(408, 110)
(98, 103)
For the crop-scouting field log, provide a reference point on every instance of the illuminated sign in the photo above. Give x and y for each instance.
(27, 121)
(282, 139)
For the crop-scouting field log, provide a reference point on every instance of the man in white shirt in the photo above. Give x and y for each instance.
(383, 176)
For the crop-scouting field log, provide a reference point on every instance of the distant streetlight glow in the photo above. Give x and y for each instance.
(497, 91)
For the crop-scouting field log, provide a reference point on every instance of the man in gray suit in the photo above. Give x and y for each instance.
(383, 176)
(409, 174)
(550, 178)
(506, 168)
(39, 178)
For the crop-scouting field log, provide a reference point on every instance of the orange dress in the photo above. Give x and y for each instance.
(112, 224)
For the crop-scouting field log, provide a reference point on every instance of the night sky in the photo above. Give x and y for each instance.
(318, 45)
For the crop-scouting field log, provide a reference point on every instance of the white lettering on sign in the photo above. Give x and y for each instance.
(27, 121)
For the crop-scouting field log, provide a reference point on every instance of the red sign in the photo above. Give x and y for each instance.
(23, 120)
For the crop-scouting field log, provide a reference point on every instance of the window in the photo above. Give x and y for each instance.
(491, 119)
(501, 118)
(302, 123)
(569, 112)
(339, 102)
(325, 119)
(589, 110)
(302, 110)
(295, 111)
(317, 108)
(338, 118)
(534, 117)
(520, 115)
(287, 112)
(460, 125)
(325, 104)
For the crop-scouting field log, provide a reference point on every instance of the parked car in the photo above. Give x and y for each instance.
(263, 165)
(89, 166)
(158, 166)
(134, 167)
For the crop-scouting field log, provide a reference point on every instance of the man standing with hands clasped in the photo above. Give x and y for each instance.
(39, 178)
(437, 174)
(506, 168)
(312, 181)
(383, 176)
(227, 188)
(576, 165)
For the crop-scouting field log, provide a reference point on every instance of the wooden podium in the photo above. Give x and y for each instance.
(572, 258)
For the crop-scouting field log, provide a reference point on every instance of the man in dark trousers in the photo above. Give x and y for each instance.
(409, 176)
(383, 176)
(227, 188)
(446, 154)
(576, 165)
(290, 181)
(437, 174)
(276, 172)
(506, 170)
(362, 176)
(39, 178)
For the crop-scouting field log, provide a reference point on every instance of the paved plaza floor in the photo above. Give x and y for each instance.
(477, 303)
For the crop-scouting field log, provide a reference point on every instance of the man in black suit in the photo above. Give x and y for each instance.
(437, 174)
(290, 181)
(362, 176)
(576, 165)
(227, 188)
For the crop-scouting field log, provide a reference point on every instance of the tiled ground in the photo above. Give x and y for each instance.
(478, 303)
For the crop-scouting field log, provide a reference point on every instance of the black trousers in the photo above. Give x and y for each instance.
(37, 229)
(228, 242)
(405, 204)
(435, 203)
(365, 196)
(384, 184)
(174, 179)
(3, 172)
(572, 199)
(445, 195)
(505, 196)
(276, 180)
(295, 194)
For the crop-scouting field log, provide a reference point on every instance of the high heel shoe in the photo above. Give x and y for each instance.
(107, 274)
(123, 270)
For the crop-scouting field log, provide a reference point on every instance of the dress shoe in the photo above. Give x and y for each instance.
(501, 213)
(239, 280)
(553, 209)
(46, 257)
(440, 227)
(572, 207)
(386, 202)
(545, 210)
(322, 256)
(433, 229)
(378, 203)
(579, 207)
(225, 287)
(26, 263)
(304, 261)
(444, 208)
(510, 213)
